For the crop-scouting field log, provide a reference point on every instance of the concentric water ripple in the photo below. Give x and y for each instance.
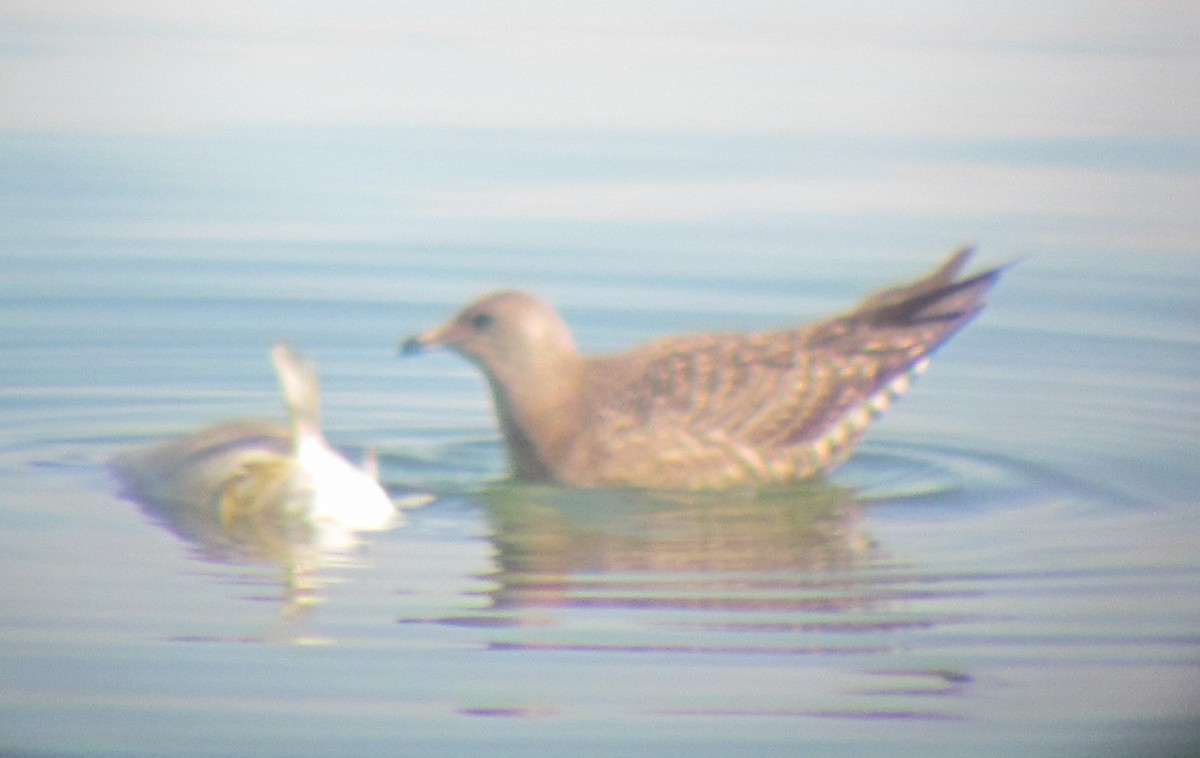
(914, 585)
(791, 572)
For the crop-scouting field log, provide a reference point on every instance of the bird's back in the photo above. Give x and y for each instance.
(721, 410)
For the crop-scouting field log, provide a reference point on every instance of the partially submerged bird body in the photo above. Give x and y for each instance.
(262, 482)
(707, 411)
(207, 466)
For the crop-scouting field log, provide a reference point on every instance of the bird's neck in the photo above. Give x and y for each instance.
(541, 415)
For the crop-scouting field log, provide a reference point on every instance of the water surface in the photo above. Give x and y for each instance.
(1009, 563)
(1009, 566)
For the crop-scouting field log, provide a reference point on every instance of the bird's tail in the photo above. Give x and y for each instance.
(932, 299)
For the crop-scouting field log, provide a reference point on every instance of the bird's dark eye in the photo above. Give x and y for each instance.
(481, 321)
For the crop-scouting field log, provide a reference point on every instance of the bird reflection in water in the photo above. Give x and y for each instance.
(256, 492)
(781, 573)
(778, 551)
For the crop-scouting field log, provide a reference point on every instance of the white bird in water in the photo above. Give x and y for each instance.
(261, 484)
(333, 490)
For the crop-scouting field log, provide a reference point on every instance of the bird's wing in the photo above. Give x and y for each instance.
(766, 393)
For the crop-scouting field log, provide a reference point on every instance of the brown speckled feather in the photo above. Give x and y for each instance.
(712, 411)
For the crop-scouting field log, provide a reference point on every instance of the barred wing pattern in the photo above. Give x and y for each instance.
(718, 410)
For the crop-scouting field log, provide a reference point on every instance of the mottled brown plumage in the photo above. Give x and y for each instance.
(706, 411)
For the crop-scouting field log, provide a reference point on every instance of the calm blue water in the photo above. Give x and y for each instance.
(1010, 565)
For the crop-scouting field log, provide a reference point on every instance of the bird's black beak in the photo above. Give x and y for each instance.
(419, 343)
(410, 346)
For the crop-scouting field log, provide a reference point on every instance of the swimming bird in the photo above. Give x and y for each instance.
(260, 482)
(704, 411)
